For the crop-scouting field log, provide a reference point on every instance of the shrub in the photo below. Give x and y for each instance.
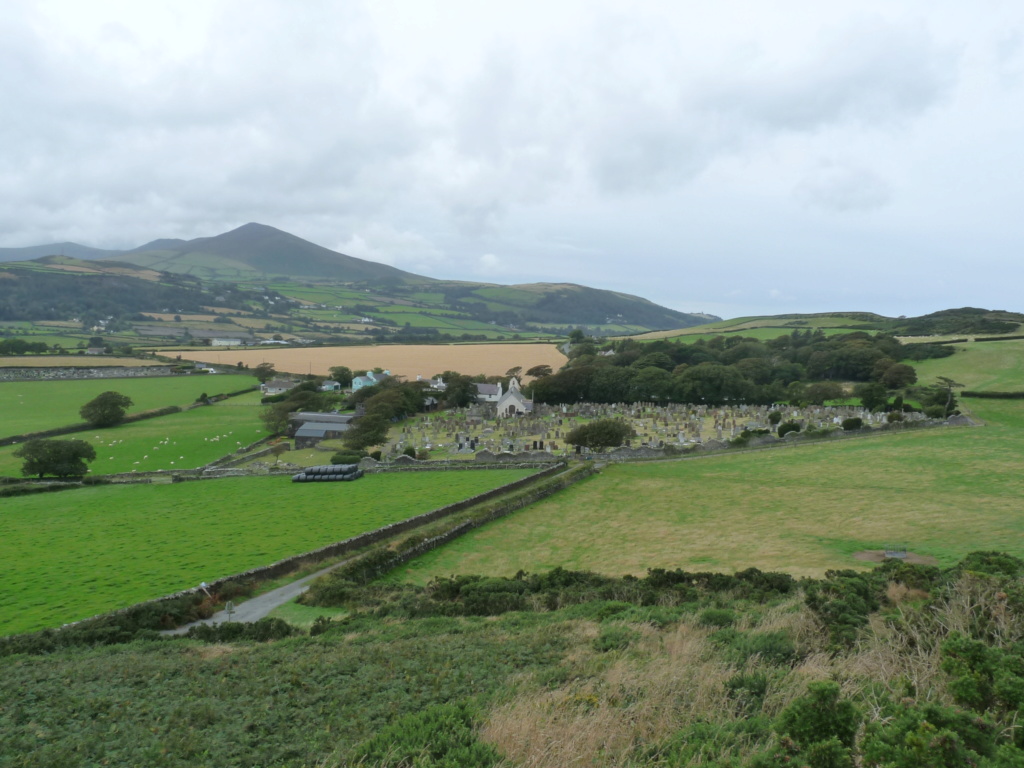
(409, 451)
(852, 424)
(748, 689)
(342, 457)
(771, 647)
(260, 631)
(820, 716)
(789, 426)
(774, 418)
(931, 734)
(422, 454)
(439, 736)
(894, 416)
(935, 412)
(717, 617)
(614, 638)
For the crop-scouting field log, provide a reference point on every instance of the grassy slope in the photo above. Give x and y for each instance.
(70, 555)
(803, 510)
(32, 406)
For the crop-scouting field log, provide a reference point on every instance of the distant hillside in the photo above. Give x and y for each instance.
(391, 298)
(256, 250)
(965, 321)
(74, 250)
(35, 294)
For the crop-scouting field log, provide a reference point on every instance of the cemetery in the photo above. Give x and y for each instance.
(475, 433)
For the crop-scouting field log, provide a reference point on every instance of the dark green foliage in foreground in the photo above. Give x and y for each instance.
(441, 736)
(287, 703)
(493, 596)
(400, 682)
(259, 631)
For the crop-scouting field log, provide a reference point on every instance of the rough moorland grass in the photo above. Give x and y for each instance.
(83, 552)
(802, 510)
(183, 440)
(33, 406)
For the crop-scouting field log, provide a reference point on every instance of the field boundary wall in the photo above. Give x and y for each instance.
(289, 564)
(568, 478)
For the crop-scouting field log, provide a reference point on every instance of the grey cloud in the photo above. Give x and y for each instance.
(842, 188)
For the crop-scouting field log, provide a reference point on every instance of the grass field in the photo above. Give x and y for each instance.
(33, 406)
(183, 440)
(803, 510)
(987, 365)
(407, 360)
(70, 555)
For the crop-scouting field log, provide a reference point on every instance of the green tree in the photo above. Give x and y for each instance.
(459, 390)
(369, 430)
(872, 395)
(600, 434)
(947, 384)
(106, 409)
(898, 376)
(539, 371)
(820, 391)
(577, 336)
(62, 458)
(342, 374)
(264, 372)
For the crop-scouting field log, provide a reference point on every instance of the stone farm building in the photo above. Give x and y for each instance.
(310, 427)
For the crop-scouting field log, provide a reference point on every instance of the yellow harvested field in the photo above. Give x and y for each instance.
(71, 361)
(408, 360)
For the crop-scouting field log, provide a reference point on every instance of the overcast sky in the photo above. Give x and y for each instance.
(729, 157)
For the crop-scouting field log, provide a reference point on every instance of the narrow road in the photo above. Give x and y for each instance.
(259, 606)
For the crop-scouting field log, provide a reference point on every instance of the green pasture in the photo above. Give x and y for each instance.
(70, 555)
(185, 440)
(985, 365)
(802, 510)
(33, 406)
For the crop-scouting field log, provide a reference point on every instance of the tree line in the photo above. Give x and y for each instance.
(804, 367)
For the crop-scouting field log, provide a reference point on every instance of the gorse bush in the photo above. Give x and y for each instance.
(717, 617)
(230, 632)
(558, 588)
(441, 736)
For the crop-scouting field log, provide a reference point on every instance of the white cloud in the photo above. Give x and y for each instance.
(489, 265)
(843, 188)
(666, 144)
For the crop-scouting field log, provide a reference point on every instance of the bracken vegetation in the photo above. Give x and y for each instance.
(902, 666)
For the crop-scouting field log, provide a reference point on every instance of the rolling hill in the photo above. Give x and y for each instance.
(339, 289)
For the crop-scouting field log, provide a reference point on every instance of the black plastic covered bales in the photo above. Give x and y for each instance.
(328, 473)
